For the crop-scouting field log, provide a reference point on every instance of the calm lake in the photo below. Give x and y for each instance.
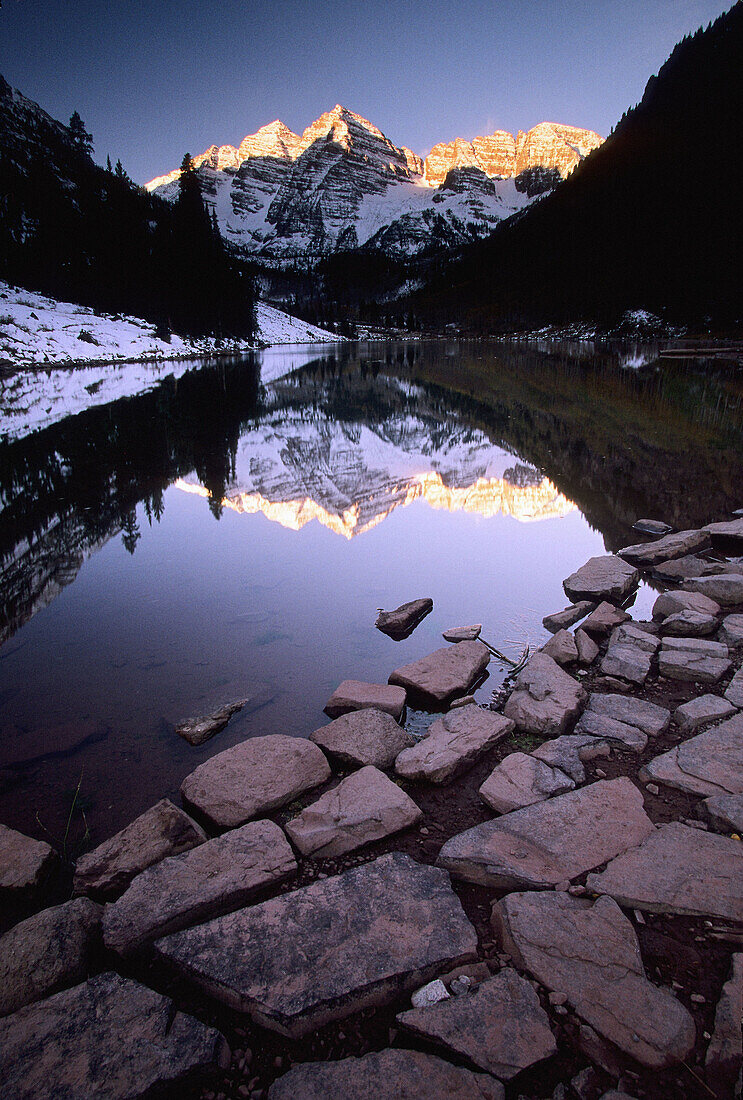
(232, 532)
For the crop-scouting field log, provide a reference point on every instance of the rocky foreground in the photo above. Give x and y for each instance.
(539, 899)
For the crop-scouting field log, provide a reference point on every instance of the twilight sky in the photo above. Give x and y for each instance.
(153, 79)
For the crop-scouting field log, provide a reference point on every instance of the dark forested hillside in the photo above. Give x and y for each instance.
(87, 234)
(651, 219)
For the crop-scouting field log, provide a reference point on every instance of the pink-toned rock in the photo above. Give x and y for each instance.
(562, 648)
(725, 589)
(401, 622)
(709, 763)
(673, 603)
(357, 695)
(676, 545)
(545, 700)
(452, 744)
(521, 780)
(726, 530)
(447, 672)
(24, 862)
(604, 619)
(722, 1064)
(363, 737)
(588, 651)
(602, 578)
(561, 620)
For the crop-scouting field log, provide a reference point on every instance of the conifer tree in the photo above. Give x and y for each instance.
(81, 137)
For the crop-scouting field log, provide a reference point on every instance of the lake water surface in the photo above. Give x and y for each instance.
(234, 530)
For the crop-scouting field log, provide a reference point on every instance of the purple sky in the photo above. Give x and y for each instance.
(153, 79)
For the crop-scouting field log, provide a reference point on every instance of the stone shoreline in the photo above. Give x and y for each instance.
(562, 874)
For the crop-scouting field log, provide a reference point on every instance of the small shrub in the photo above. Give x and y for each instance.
(87, 337)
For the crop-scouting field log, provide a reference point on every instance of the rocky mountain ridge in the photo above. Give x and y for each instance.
(343, 185)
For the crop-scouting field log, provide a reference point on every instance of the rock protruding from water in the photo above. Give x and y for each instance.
(709, 763)
(218, 876)
(198, 730)
(401, 622)
(108, 1038)
(435, 679)
(651, 527)
(722, 1064)
(342, 944)
(725, 589)
(500, 1027)
(363, 737)
(589, 952)
(452, 744)
(726, 530)
(163, 830)
(550, 842)
(47, 952)
(521, 780)
(602, 578)
(407, 1074)
(561, 620)
(358, 695)
(546, 700)
(462, 633)
(678, 870)
(24, 862)
(676, 545)
(364, 807)
(254, 778)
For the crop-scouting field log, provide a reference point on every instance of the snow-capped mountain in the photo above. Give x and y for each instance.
(343, 185)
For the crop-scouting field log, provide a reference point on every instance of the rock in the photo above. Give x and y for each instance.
(709, 763)
(430, 994)
(649, 718)
(366, 806)
(198, 730)
(363, 737)
(672, 603)
(569, 753)
(651, 527)
(676, 545)
(401, 622)
(109, 1038)
(446, 672)
(723, 532)
(501, 1027)
(629, 654)
(604, 728)
(590, 953)
(604, 619)
(214, 878)
(561, 648)
(552, 841)
(724, 812)
(163, 830)
(725, 589)
(705, 708)
(588, 651)
(734, 693)
(692, 665)
(452, 744)
(331, 949)
(462, 633)
(689, 566)
(677, 870)
(47, 952)
(690, 624)
(560, 620)
(24, 863)
(254, 778)
(462, 701)
(522, 780)
(545, 700)
(722, 1064)
(357, 695)
(406, 1074)
(731, 631)
(702, 646)
(602, 578)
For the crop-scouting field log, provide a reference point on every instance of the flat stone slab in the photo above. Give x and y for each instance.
(545, 700)
(24, 862)
(722, 1064)
(218, 876)
(725, 588)
(358, 695)
(649, 718)
(254, 778)
(444, 673)
(609, 730)
(340, 945)
(570, 752)
(698, 712)
(589, 953)
(110, 1038)
(366, 806)
(602, 578)
(552, 841)
(724, 812)
(501, 1027)
(690, 624)
(403, 1074)
(692, 666)
(47, 952)
(702, 646)
(562, 648)
(728, 529)
(672, 603)
(561, 620)
(651, 527)
(709, 763)
(678, 870)
(401, 622)
(689, 566)
(629, 654)
(676, 545)
(163, 830)
(462, 633)
(198, 730)
(731, 631)
(734, 693)
(604, 619)
(363, 737)
(521, 780)
(452, 744)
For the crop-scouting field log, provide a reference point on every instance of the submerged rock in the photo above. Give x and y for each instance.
(363, 737)
(447, 672)
(602, 578)
(198, 730)
(545, 700)
(357, 695)
(401, 622)
(452, 744)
